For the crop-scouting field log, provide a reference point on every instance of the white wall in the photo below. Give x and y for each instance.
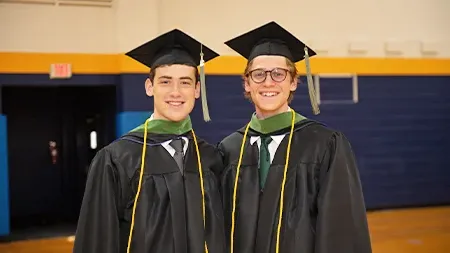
(328, 25)
(62, 29)
(136, 22)
(331, 27)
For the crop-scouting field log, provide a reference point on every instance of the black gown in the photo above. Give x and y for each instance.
(168, 216)
(323, 211)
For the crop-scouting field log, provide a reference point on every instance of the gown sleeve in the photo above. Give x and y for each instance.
(98, 223)
(218, 164)
(341, 224)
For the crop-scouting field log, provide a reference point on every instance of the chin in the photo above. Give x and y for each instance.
(269, 106)
(174, 112)
(170, 114)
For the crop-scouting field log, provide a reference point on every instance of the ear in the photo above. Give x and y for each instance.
(294, 84)
(246, 85)
(149, 87)
(197, 90)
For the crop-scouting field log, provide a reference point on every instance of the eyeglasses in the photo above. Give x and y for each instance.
(260, 75)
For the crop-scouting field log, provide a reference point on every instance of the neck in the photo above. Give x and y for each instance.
(157, 116)
(263, 114)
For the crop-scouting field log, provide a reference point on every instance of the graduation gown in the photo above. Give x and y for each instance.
(323, 211)
(168, 215)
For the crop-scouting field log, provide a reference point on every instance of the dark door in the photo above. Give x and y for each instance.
(44, 188)
(88, 125)
(32, 122)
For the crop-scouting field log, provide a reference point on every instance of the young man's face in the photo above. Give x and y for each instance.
(174, 90)
(270, 91)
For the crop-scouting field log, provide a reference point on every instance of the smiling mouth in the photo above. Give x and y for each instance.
(269, 94)
(175, 103)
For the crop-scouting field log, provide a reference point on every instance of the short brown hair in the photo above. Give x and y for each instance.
(152, 73)
(292, 70)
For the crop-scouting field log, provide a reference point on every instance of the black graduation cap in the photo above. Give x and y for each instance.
(176, 47)
(273, 39)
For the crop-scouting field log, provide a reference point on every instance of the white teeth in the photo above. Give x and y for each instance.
(175, 103)
(269, 94)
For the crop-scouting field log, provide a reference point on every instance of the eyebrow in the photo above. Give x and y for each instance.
(186, 78)
(268, 69)
(182, 78)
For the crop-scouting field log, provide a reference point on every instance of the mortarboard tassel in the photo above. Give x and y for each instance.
(206, 116)
(311, 89)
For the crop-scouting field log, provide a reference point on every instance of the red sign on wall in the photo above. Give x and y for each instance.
(60, 71)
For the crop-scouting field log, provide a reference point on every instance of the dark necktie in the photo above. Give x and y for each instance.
(178, 156)
(264, 160)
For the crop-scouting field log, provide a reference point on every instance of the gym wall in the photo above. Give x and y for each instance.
(383, 69)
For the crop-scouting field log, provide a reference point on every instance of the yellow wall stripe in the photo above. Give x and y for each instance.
(39, 63)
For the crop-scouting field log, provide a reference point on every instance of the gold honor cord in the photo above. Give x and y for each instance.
(144, 148)
(238, 169)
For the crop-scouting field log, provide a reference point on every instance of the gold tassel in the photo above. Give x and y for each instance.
(206, 116)
(311, 88)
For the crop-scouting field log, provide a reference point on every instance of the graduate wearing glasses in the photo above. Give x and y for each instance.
(290, 184)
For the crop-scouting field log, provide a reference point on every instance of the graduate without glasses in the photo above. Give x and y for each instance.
(155, 188)
(290, 183)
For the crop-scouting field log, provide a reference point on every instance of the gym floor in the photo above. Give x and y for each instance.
(414, 230)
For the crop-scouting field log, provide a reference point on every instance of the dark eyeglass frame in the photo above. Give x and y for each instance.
(272, 72)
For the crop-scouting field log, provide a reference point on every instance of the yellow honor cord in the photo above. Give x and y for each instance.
(238, 169)
(241, 153)
(200, 172)
(284, 181)
(144, 148)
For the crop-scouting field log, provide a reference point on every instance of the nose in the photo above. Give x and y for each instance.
(176, 91)
(269, 81)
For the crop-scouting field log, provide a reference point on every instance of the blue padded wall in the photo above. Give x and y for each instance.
(126, 121)
(4, 192)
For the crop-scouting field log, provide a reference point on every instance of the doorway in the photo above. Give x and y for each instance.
(53, 134)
